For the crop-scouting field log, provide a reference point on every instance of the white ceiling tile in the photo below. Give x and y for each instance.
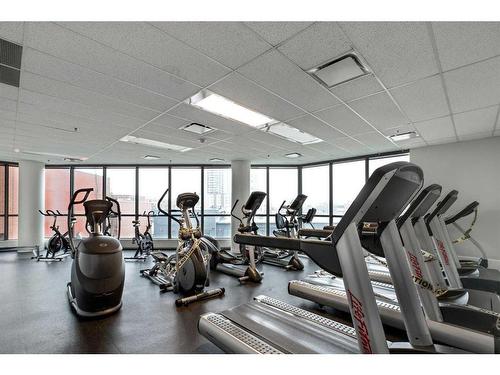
(436, 129)
(168, 121)
(351, 145)
(461, 43)
(269, 140)
(230, 43)
(277, 32)
(398, 129)
(54, 68)
(58, 89)
(8, 104)
(8, 91)
(194, 114)
(398, 52)
(313, 126)
(380, 111)
(470, 137)
(329, 149)
(250, 95)
(357, 88)
(474, 86)
(68, 45)
(149, 44)
(474, 122)
(7, 115)
(319, 44)
(183, 134)
(376, 141)
(342, 118)
(442, 141)
(275, 72)
(422, 100)
(12, 31)
(497, 132)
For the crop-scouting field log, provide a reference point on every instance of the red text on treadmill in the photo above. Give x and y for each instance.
(415, 265)
(443, 252)
(361, 328)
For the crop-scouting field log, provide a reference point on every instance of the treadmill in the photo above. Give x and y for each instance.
(267, 325)
(459, 274)
(450, 321)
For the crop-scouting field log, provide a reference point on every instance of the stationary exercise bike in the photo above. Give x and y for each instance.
(243, 265)
(186, 271)
(287, 225)
(98, 270)
(144, 240)
(57, 247)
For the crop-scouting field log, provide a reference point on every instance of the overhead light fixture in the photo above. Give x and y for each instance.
(219, 105)
(217, 160)
(403, 136)
(151, 157)
(293, 155)
(339, 70)
(153, 143)
(73, 160)
(292, 134)
(42, 153)
(196, 128)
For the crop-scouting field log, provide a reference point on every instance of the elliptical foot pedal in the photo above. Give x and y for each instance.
(214, 293)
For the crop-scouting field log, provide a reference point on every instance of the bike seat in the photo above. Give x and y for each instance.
(187, 200)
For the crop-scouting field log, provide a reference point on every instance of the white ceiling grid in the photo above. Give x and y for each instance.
(111, 79)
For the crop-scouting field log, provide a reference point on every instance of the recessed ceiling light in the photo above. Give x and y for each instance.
(224, 107)
(74, 160)
(293, 155)
(62, 156)
(151, 157)
(217, 160)
(153, 143)
(339, 70)
(197, 128)
(403, 136)
(292, 134)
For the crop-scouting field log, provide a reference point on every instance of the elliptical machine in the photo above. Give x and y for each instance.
(98, 270)
(243, 265)
(186, 271)
(57, 243)
(287, 225)
(144, 241)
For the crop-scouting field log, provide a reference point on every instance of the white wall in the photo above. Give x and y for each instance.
(472, 168)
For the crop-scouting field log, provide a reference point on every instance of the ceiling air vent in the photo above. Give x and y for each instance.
(339, 70)
(196, 128)
(10, 63)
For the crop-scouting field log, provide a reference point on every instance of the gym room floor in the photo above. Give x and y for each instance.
(36, 317)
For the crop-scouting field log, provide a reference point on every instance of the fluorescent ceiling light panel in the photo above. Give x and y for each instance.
(224, 107)
(338, 71)
(62, 156)
(292, 134)
(293, 155)
(153, 143)
(403, 136)
(151, 157)
(197, 128)
(217, 160)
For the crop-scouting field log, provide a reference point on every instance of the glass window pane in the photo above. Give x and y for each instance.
(57, 189)
(261, 223)
(185, 180)
(258, 182)
(316, 185)
(2, 190)
(348, 179)
(88, 178)
(152, 184)
(217, 226)
(13, 191)
(379, 162)
(2, 227)
(217, 191)
(61, 222)
(13, 227)
(120, 185)
(127, 229)
(282, 186)
(319, 222)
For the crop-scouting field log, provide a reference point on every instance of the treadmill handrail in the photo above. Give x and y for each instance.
(468, 210)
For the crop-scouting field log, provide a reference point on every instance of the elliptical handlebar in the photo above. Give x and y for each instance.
(165, 212)
(232, 212)
(72, 202)
(117, 213)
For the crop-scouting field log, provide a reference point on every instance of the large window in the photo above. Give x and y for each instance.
(120, 185)
(379, 162)
(13, 201)
(184, 180)
(217, 202)
(316, 185)
(283, 186)
(347, 179)
(57, 196)
(152, 184)
(2, 202)
(258, 182)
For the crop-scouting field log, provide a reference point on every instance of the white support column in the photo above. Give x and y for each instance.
(31, 199)
(240, 189)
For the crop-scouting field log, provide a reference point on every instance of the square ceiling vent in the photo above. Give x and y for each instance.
(196, 128)
(10, 63)
(340, 70)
